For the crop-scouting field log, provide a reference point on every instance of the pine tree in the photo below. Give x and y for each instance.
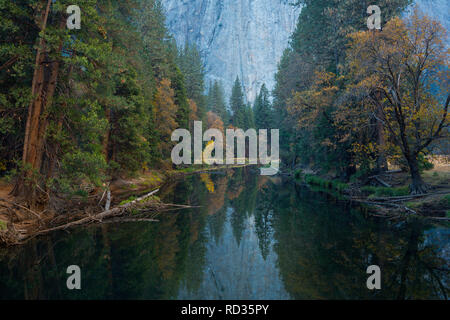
(263, 109)
(319, 45)
(191, 66)
(249, 117)
(237, 105)
(216, 101)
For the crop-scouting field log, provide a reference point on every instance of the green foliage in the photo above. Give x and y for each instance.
(249, 120)
(191, 65)
(238, 106)
(298, 174)
(263, 109)
(130, 199)
(80, 171)
(216, 101)
(385, 192)
(319, 44)
(101, 123)
(326, 184)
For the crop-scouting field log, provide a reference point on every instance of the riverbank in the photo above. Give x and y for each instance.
(18, 223)
(388, 193)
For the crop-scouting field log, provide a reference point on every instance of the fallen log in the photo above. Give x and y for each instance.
(385, 184)
(399, 198)
(98, 217)
(387, 204)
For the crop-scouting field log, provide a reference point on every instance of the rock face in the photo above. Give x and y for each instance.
(437, 9)
(244, 38)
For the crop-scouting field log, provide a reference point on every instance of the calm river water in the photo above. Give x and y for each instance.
(252, 238)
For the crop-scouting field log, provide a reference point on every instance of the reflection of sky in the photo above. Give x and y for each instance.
(235, 271)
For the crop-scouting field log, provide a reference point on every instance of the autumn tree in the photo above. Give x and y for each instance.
(165, 117)
(315, 112)
(404, 72)
(214, 121)
(318, 45)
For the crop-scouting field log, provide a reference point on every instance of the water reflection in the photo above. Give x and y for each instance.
(252, 238)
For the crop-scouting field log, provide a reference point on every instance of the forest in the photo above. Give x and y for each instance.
(84, 108)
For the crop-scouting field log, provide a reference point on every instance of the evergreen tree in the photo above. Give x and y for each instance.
(262, 109)
(216, 101)
(237, 105)
(96, 110)
(318, 45)
(191, 66)
(249, 117)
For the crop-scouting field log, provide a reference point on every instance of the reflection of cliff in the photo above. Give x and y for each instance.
(244, 38)
(237, 270)
(271, 242)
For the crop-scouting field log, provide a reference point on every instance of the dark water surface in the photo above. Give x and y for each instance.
(253, 238)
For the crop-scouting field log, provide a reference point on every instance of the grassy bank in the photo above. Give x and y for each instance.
(390, 200)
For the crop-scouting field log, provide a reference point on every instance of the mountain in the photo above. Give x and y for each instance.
(437, 9)
(244, 38)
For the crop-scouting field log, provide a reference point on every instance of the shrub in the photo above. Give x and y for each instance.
(325, 184)
(298, 174)
(386, 192)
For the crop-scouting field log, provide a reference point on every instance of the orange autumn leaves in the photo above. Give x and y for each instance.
(398, 76)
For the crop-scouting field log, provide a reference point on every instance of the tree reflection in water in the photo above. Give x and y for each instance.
(251, 238)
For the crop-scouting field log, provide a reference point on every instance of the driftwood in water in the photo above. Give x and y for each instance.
(19, 233)
(387, 204)
(401, 198)
(117, 211)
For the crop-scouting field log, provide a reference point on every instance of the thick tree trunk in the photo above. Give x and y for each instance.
(417, 185)
(43, 88)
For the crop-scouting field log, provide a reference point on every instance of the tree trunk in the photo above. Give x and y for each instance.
(417, 185)
(382, 165)
(43, 88)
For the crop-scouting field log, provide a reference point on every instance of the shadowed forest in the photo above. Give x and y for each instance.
(86, 123)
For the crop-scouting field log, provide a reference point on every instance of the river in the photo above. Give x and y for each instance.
(252, 237)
